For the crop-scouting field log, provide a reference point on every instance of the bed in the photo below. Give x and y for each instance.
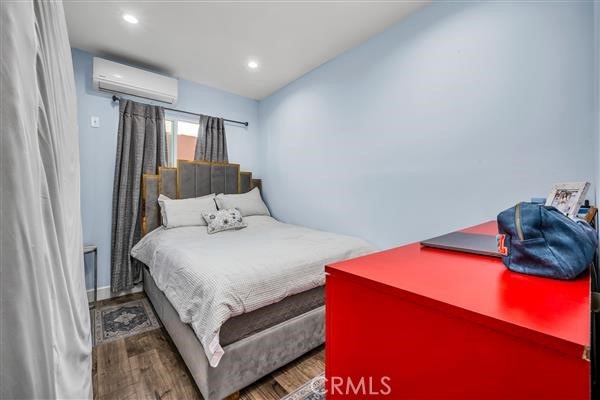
(237, 304)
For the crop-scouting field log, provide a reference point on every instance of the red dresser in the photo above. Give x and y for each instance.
(422, 323)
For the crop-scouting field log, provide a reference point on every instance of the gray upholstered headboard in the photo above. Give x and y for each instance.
(190, 179)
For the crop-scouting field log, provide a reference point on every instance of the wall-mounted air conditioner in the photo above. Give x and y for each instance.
(115, 77)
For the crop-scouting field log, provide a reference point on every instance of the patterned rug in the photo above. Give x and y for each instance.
(311, 390)
(121, 320)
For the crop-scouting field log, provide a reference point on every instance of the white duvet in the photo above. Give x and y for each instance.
(211, 278)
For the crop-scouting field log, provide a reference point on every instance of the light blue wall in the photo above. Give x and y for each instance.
(440, 122)
(98, 148)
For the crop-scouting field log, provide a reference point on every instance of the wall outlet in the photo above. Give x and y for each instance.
(95, 122)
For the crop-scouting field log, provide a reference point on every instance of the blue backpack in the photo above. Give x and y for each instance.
(540, 240)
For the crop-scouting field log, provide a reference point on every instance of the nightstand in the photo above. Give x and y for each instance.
(93, 249)
(90, 248)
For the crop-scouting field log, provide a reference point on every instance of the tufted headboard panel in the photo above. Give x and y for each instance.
(190, 179)
(199, 178)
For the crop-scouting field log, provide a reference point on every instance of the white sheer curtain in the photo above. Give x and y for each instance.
(45, 348)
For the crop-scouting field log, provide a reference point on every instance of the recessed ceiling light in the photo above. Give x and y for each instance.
(252, 64)
(130, 18)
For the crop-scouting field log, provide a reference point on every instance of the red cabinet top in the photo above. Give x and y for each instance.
(481, 288)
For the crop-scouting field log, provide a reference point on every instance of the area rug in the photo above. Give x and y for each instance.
(311, 390)
(121, 320)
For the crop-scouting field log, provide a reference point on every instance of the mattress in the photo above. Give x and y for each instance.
(248, 324)
(211, 279)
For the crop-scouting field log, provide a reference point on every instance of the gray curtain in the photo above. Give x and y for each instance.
(141, 149)
(211, 144)
(45, 341)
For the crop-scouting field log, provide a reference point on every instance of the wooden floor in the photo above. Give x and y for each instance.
(148, 366)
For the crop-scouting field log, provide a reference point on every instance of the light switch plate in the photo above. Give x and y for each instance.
(95, 121)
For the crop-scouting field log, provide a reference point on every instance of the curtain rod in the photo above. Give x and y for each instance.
(116, 98)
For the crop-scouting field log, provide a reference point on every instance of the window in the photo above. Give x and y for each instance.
(181, 140)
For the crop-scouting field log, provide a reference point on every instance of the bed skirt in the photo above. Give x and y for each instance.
(246, 360)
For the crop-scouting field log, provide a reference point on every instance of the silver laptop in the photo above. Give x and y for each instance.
(465, 242)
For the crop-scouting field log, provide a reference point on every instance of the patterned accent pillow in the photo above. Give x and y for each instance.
(223, 220)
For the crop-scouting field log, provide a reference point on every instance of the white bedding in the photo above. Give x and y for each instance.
(211, 278)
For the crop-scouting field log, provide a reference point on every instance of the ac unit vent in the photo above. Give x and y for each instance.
(115, 77)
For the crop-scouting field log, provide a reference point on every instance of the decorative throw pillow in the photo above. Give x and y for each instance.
(250, 203)
(185, 212)
(223, 220)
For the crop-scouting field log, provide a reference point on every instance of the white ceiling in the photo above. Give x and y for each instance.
(211, 42)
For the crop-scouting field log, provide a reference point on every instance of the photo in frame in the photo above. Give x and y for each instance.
(568, 197)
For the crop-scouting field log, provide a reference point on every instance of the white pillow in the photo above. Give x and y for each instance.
(185, 212)
(223, 220)
(249, 203)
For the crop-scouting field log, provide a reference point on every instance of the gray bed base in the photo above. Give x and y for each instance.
(246, 360)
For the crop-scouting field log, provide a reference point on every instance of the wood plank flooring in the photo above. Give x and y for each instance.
(148, 366)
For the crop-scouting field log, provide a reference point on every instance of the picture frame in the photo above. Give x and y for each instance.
(568, 197)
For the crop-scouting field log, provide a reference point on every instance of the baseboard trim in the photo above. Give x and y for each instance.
(105, 293)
